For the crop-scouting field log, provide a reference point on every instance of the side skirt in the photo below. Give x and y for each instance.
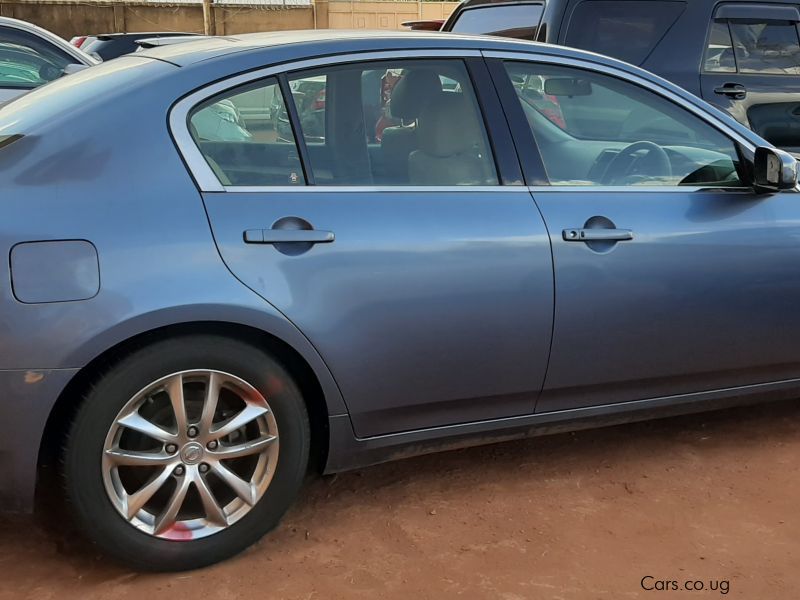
(349, 452)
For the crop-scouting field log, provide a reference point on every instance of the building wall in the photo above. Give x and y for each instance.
(361, 14)
(69, 18)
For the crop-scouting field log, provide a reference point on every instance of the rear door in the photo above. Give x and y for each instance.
(751, 69)
(382, 222)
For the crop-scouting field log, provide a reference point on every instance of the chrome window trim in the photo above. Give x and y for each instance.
(207, 181)
(626, 76)
(636, 188)
(395, 189)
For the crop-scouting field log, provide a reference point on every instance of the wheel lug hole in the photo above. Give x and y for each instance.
(212, 445)
(193, 431)
(179, 470)
(203, 468)
(171, 448)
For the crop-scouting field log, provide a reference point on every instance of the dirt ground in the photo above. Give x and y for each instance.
(708, 499)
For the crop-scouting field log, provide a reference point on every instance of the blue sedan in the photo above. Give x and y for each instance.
(452, 240)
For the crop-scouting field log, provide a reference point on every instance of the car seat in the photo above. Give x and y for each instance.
(410, 95)
(450, 145)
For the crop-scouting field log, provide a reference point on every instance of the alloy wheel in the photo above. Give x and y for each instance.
(190, 454)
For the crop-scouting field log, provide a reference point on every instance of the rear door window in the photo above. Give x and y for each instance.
(771, 47)
(245, 149)
(625, 30)
(518, 21)
(757, 39)
(719, 51)
(404, 122)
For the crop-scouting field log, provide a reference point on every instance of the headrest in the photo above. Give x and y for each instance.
(414, 90)
(448, 126)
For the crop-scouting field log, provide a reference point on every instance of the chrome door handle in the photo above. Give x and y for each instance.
(288, 236)
(597, 235)
(732, 90)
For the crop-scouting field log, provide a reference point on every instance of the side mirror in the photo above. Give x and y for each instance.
(73, 68)
(774, 170)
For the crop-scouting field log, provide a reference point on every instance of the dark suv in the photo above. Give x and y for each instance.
(741, 55)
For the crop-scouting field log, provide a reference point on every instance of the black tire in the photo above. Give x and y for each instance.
(94, 512)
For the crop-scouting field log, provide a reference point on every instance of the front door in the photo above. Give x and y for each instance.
(425, 285)
(752, 69)
(671, 276)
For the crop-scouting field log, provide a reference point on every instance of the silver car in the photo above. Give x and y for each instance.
(31, 56)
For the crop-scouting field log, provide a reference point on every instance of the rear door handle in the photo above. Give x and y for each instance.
(597, 235)
(288, 236)
(732, 90)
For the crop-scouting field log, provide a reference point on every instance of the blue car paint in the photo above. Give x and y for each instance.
(106, 171)
(417, 288)
(699, 300)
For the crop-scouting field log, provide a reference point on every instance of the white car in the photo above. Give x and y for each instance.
(31, 56)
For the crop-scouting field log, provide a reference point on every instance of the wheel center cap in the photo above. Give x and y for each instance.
(192, 453)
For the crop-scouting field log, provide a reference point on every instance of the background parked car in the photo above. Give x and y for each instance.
(424, 25)
(31, 56)
(112, 45)
(743, 57)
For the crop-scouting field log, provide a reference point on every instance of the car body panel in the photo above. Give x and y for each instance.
(155, 271)
(696, 300)
(367, 302)
(28, 398)
(66, 178)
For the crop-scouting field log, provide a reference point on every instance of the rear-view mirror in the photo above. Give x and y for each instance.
(567, 86)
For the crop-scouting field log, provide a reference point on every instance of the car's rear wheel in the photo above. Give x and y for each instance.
(186, 452)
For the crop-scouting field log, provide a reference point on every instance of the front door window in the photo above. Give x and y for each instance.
(597, 130)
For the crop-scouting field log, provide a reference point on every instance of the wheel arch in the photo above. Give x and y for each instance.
(315, 386)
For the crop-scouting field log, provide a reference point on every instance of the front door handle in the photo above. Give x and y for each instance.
(732, 90)
(597, 235)
(288, 236)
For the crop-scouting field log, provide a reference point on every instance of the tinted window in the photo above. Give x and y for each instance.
(27, 61)
(719, 52)
(594, 129)
(771, 47)
(393, 123)
(517, 21)
(235, 134)
(625, 30)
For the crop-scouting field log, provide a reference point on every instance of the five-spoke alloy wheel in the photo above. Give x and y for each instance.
(186, 452)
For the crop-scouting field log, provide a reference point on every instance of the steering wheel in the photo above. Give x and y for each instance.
(654, 163)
